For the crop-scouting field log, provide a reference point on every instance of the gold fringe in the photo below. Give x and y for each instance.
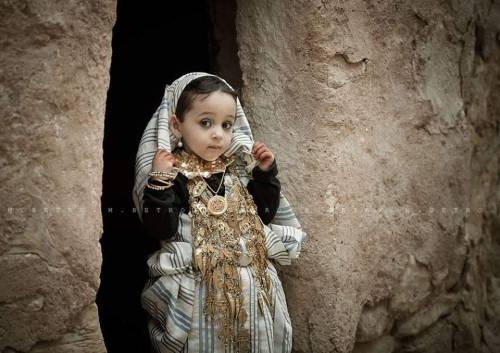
(217, 251)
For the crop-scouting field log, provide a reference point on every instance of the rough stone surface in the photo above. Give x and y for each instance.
(383, 344)
(53, 83)
(384, 118)
(373, 322)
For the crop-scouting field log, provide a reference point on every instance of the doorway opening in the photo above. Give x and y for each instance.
(154, 42)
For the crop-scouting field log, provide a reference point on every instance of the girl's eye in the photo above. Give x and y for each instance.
(227, 125)
(205, 123)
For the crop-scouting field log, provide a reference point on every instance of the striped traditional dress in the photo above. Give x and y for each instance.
(174, 295)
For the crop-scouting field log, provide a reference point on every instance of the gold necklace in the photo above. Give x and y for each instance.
(217, 254)
(191, 165)
(217, 204)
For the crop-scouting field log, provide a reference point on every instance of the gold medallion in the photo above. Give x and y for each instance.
(217, 205)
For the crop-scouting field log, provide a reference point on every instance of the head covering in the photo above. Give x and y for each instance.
(157, 135)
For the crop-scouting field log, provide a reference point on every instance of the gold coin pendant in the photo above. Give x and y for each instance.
(217, 205)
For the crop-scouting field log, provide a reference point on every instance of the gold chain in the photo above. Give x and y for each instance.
(220, 184)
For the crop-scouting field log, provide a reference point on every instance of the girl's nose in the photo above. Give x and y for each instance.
(217, 133)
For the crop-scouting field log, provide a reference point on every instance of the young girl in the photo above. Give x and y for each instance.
(214, 203)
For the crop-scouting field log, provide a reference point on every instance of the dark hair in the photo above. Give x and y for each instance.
(203, 85)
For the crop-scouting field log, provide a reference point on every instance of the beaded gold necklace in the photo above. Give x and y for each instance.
(216, 246)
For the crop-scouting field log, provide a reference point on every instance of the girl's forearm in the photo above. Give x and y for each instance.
(162, 209)
(265, 189)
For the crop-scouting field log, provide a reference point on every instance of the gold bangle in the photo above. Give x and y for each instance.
(158, 187)
(168, 175)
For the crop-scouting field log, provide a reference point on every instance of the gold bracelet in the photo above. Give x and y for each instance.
(158, 187)
(168, 175)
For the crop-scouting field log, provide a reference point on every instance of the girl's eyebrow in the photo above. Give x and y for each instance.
(227, 116)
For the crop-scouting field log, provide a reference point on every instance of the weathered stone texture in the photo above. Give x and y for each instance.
(54, 63)
(384, 118)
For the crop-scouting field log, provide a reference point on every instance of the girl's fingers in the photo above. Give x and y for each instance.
(262, 150)
(259, 149)
(265, 155)
(165, 154)
(259, 155)
(256, 145)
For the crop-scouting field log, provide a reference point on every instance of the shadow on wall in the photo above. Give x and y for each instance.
(154, 42)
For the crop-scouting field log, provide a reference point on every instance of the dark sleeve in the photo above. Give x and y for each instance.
(265, 189)
(162, 207)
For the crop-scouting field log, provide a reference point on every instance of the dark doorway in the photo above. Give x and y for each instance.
(154, 42)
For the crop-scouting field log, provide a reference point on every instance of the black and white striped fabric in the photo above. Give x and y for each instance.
(174, 294)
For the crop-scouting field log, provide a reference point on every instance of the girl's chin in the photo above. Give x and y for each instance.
(210, 156)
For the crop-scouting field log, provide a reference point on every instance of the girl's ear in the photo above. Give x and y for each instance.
(175, 126)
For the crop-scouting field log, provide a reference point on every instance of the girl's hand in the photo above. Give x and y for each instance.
(163, 161)
(263, 154)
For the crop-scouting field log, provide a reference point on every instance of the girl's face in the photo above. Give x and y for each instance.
(207, 127)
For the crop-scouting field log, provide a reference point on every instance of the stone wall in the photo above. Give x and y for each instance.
(383, 116)
(55, 58)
